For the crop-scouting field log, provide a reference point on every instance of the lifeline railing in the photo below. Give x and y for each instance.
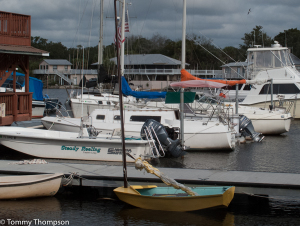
(149, 132)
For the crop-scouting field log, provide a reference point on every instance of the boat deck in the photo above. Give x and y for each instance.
(110, 176)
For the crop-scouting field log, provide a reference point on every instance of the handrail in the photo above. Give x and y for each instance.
(148, 132)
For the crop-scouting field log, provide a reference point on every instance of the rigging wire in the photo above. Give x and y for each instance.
(189, 38)
(139, 44)
(211, 41)
(90, 33)
(79, 23)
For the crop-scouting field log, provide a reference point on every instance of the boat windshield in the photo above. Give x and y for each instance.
(266, 60)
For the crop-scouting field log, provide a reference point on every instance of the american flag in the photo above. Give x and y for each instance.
(126, 22)
(120, 41)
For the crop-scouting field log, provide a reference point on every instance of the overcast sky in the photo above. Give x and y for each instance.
(77, 22)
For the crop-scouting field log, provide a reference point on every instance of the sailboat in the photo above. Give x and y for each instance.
(176, 198)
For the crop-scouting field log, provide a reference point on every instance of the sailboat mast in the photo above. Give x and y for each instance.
(100, 44)
(182, 67)
(82, 81)
(120, 98)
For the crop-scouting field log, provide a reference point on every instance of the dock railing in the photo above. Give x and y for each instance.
(15, 29)
(18, 107)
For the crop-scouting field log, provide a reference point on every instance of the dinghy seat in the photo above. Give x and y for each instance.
(171, 195)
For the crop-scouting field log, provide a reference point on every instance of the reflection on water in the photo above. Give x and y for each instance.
(47, 208)
(77, 211)
(212, 217)
(274, 154)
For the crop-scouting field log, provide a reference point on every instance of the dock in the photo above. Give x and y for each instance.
(106, 177)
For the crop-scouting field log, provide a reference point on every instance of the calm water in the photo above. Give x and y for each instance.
(273, 154)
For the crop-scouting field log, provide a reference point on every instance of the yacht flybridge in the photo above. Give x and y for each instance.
(273, 64)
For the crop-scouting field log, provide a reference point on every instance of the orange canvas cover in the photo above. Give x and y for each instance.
(186, 76)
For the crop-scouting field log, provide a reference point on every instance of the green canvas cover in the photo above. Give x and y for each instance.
(174, 97)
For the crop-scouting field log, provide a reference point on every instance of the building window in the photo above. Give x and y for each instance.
(66, 67)
(41, 67)
(54, 67)
(100, 102)
(108, 102)
(46, 67)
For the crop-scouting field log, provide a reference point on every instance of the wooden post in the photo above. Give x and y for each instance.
(21, 104)
(30, 105)
(26, 61)
(15, 106)
(14, 80)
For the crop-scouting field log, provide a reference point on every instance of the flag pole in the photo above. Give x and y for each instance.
(121, 99)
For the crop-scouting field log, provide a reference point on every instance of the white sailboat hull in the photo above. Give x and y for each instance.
(270, 126)
(85, 107)
(197, 134)
(212, 136)
(31, 186)
(66, 145)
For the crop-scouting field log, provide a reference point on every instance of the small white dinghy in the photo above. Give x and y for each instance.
(29, 186)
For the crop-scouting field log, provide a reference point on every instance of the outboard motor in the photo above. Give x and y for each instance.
(247, 129)
(172, 146)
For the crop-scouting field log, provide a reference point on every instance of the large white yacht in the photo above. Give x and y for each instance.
(273, 63)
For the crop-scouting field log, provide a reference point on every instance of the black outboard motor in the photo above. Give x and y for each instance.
(172, 146)
(247, 129)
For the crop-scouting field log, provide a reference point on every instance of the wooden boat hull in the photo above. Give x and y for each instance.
(29, 186)
(140, 196)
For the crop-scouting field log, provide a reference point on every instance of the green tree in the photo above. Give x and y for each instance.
(201, 54)
(232, 54)
(255, 37)
(291, 39)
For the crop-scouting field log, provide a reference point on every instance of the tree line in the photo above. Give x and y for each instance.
(201, 54)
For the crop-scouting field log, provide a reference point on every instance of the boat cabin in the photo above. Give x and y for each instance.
(15, 50)
(265, 59)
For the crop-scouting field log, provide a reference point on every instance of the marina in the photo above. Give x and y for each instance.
(172, 167)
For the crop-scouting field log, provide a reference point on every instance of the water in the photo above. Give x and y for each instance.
(273, 154)
(76, 211)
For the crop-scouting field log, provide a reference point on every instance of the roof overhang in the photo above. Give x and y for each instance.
(22, 50)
